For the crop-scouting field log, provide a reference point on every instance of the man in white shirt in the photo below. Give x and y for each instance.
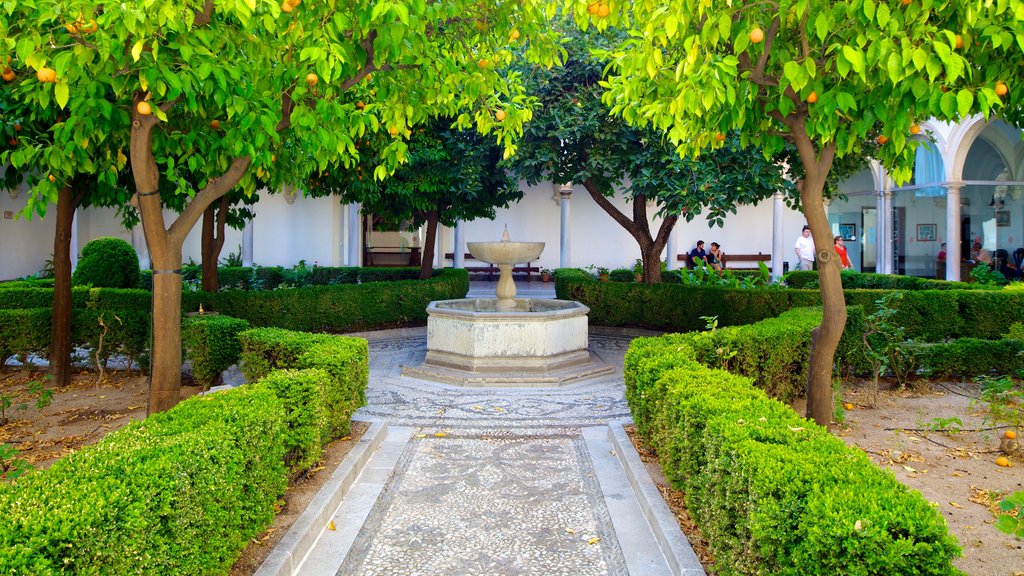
(805, 249)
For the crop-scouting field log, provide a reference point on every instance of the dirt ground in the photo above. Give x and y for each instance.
(955, 471)
(88, 409)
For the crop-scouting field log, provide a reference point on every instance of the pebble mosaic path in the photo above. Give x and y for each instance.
(495, 481)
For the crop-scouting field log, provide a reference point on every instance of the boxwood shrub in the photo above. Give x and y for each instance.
(211, 344)
(181, 492)
(870, 280)
(968, 357)
(345, 359)
(302, 395)
(772, 492)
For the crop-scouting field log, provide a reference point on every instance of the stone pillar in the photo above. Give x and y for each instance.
(439, 247)
(459, 250)
(564, 198)
(670, 248)
(778, 235)
(880, 232)
(139, 243)
(953, 239)
(890, 265)
(355, 231)
(247, 243)
(74, 240)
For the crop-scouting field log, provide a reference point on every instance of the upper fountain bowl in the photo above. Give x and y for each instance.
(505, 252)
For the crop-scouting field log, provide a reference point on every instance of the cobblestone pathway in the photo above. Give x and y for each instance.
(495, 481)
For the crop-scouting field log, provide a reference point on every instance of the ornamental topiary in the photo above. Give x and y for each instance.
(108, 263)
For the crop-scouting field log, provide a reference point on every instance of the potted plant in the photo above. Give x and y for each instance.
(545, 275)
(638, 270)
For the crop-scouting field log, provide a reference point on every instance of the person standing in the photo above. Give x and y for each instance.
(805, 249)
(844, 258)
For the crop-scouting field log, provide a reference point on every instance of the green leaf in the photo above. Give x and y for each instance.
(856, 59)
(920, 58)
(61, 92)
(821, 26)
(948, 105)
(883, 15)
(964, 101)
(137, 50)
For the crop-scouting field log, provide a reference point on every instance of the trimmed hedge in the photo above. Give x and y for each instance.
(341, 308)
(870, 280)
(968, 357)
(181, 492)
(931, 315)
(211, 343)
(107, 263)
(772, 492)
(24, 332)
(302, 394)
(345, 359)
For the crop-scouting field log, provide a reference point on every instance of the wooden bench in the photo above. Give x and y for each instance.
(387, 256)
(526, 268)
(730, 260)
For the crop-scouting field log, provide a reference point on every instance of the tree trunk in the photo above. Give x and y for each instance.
(165, 249)
(639, 229)
(60, 327)
(214, 219)
(824, 338)
(429, 244)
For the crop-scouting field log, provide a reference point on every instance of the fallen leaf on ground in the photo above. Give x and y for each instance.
(954, 504)
(594, 540)
(330, 525)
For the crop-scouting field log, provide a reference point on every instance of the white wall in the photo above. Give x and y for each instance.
(25, 244)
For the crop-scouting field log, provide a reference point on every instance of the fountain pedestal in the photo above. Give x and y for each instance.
(507, 341)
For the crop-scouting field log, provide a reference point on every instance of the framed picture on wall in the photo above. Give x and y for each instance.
(926, 232)
(1002, 218)
(848, 231)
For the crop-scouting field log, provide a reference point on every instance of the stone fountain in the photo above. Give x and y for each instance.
(507, 341)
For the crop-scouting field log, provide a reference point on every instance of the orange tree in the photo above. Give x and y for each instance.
(825, 76)
(283, 80)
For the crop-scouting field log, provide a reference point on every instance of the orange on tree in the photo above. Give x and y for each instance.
(915, 128)
(593, 8)
(514, 35)
(51, 178)
(71, 27)
(393, 131)
(90, 27)
(12, 141)
(483, 63)
(312, 79)
(215, 124)
(907, 2)
(756, 35)
(720, 137)
(812, 97)
(287, 6)
(17, 127)
(45, 74)
(499, 115)
(8, 74)
(603, 11)
(144, 108)
(959, 41)
(1001, 89)
(882, 140)
(360, 104)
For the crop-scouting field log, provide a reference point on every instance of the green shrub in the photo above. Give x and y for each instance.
(622, 275)
(968, 357)
(387, 274)
(327, 275)
(179, 493)
(871, 281)
(774, 493)
(302, 394)
(345, 359)
(32, 297)
(107, 263)
(211, 343)
(24, 332)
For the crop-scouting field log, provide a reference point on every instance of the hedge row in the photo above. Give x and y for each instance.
(344, 359)
(967, 357)
(211, 344)
(126, 313)
(870, 280)
(342, 308)
(257, 278)
(772, 492)
(181, 492)
(930, 315)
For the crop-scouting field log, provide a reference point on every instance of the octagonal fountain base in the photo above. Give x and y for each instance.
(521, 342)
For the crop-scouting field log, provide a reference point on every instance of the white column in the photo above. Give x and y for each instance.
(139, 243)
(953, 239)
(890, 265)
(778, 231)
(670, 248)
(354, 236)
(458, 251)
(439, 247)
(881, 232)
(247, 243)
(74, 240)
(565, 239)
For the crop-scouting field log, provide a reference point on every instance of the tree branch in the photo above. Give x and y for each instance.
(203, 18)
(214, 189)
(612, 211)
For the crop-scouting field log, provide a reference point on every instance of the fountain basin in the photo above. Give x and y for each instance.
(505, 252)
(479, 342)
